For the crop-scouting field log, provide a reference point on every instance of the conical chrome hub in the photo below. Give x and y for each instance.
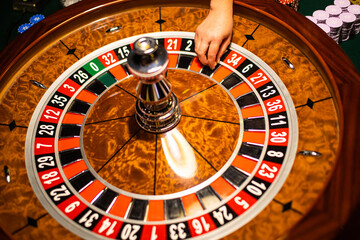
(157, 108)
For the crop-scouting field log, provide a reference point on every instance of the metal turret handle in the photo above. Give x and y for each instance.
(157, 108)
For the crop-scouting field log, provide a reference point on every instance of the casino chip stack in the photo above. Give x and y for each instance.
(294, 4)
(325, 28)
(311, 18)
(33, 20)
(343, 4)
(320, 16)
(339, 21)
(36, 18)
(348, 23)
(24, 27)
(333, 10)
(355, 9)
(67, 3)
(335, 25)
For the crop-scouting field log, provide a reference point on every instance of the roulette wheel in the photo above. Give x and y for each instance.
(242, 151)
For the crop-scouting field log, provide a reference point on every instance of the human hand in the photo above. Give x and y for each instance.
(213, 35)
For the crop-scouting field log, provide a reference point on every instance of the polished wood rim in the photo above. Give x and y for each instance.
(330, 59)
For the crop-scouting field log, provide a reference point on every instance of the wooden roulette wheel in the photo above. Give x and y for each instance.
(258, 140)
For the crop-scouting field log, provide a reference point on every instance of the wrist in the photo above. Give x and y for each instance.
(225, 6)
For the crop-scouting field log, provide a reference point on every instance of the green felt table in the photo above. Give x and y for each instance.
(351, 46)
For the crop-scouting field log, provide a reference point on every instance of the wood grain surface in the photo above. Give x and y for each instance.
(141, 166)
(323, 74)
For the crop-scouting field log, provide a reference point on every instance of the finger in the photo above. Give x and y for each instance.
(212, 53)
(196, 41)
(223, 48)
(201, 51)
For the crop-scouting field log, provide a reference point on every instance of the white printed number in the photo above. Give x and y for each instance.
(221, 215)
(234, 60)
(188, 46)
(241, 202)
(200, 225)
(278, 137)
(52, 114)
(46, 130)
(256, 188)
(88, 218)
(260, 77)
(267, 171)
(273, 106)
(50, 177)
(107, 225)
(129, 232)
(71, 89)
(80, 76)
(273, 153)
(124, 52)
(172, 44)
(177, 231)
(58, 193)
(71, 207)
(59, 100)
(108, 58)
(46, 161)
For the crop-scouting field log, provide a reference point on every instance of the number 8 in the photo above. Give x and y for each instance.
(273, 153)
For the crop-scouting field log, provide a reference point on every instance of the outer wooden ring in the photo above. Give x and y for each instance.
(340, 196)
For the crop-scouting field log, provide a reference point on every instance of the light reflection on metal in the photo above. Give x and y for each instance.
(288, 63)
(157, 107)
(310, 153)
(114, 29)
(7, 174)
(179, 154)
(38, 84)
